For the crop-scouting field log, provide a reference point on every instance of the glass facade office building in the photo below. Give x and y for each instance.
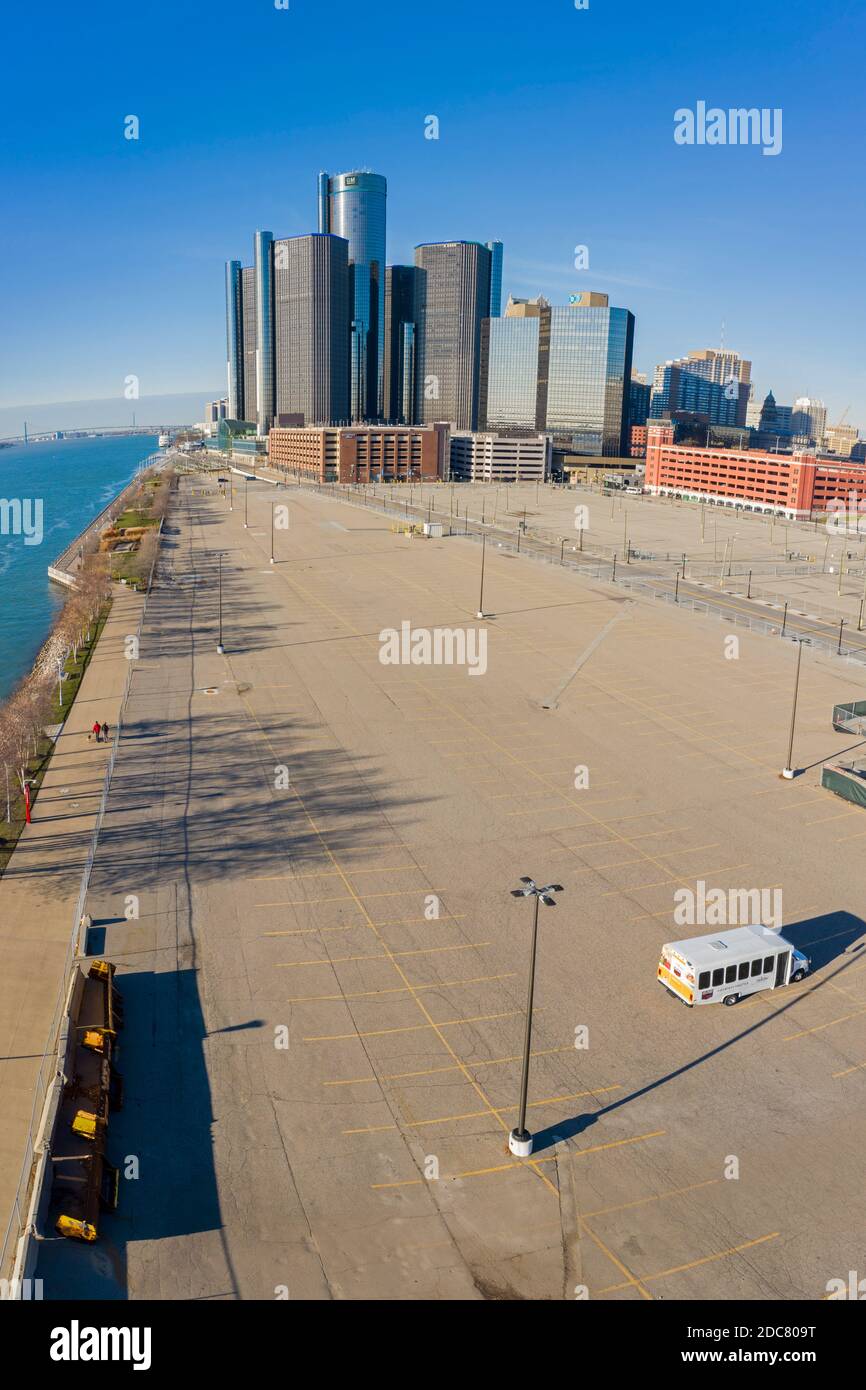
(248, 408)
(234, 337)
(510, 399)
(312, 317)
(452, 298)
(263, 244)
(495, 249)
(589, 360)
(399, 343)
(352, 206)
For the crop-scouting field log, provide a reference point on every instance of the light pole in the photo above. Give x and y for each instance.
(246, 504)
(480, 613)
(220, 648)
(788, 770)
(273, 514)
(520, 1140)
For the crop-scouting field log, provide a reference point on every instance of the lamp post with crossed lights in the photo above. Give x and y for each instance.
(520, 1140)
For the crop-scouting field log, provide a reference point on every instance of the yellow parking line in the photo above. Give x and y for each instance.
(646, 1201)
(416, 1027)
(434, 1071)
(847, 1072)
(406, 921)
(342, 960)
(693, 1264)
(396, 989)
(477, 1114)
(506, 1167)
(819, 1027)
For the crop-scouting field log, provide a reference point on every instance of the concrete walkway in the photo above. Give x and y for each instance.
(38, 894)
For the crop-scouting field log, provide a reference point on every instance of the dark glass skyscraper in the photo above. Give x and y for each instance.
(311, 313)
(264, 291)
(495, 249)
(352, 206)
(399, 343)
(234, 339)
(452, 297)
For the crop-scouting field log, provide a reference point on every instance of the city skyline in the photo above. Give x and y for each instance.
(534, 156)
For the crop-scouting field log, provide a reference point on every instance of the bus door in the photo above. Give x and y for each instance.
(781, 968)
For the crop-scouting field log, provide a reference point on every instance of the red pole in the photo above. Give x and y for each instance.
(27, 803)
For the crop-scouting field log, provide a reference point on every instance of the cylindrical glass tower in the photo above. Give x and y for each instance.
(353, 206)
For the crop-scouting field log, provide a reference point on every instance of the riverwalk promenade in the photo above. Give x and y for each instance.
(38, 897)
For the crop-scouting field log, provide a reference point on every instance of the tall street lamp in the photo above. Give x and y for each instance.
(273, 514)
(520, 1140)
(220, 648)
(246, 499)
(788, 770)
(480, 613)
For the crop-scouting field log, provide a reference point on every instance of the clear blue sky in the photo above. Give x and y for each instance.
(556, 129)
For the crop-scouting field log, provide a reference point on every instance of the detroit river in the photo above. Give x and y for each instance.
(75, 479)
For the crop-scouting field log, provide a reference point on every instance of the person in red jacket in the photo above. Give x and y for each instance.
(97, 730)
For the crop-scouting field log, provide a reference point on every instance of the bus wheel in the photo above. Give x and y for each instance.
(730, 999)
(797, 976)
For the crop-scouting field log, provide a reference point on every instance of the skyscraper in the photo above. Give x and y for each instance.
(564, 369)
(248, 406)
(352, 206)
(234, 339)
(495, 308)
(678, 386)
(312, 318)
(399, 343)
(513, 388)
(452, 297)
(264, 295)
(588, 376)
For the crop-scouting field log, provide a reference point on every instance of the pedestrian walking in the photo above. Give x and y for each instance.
(105, 733)
(96, 730)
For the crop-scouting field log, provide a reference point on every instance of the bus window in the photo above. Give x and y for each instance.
(768, 964)
(730, 974)
(756, 968)
(743, 972)
(718, 976)
(704, 980)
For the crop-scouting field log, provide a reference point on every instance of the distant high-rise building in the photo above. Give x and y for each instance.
(399, 344)
(352, 206)
(713, 384)
(512, 391)
(452, 298)
(248, 407)
(263, 243)
(562, 369)
(495, 249)
(841, 439)
(639, 393)
(588, 376)
(312, 316)
(808, 423)
(234, 339)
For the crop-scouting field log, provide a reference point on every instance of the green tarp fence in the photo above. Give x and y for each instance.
(845, 784)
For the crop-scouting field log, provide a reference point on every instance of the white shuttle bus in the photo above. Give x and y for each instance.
(730, 965)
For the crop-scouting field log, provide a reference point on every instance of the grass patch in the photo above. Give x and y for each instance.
(134, 516)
